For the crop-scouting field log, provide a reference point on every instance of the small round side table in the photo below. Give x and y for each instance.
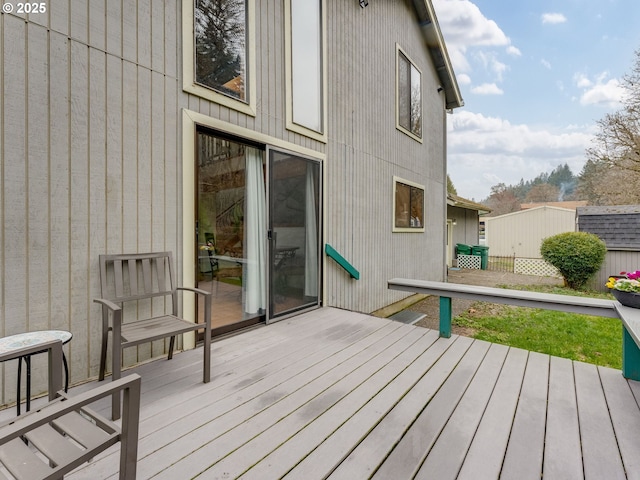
(20, 340)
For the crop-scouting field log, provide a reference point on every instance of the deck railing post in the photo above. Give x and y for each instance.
(630, 357)
(445, 317)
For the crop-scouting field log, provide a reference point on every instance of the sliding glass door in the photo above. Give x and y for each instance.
(231, 229)
(258, 241)
(294, 233)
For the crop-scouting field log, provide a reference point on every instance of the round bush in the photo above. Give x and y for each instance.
(577, 255)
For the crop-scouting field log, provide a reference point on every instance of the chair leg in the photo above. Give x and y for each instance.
(103, 352)
(172, 344)
(115, 375)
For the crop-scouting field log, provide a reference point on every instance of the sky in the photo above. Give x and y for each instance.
(535, 77)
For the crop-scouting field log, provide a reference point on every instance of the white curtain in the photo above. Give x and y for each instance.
(311, 234)
(255, 232)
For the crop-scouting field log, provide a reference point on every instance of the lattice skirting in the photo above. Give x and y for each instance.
(535, 266)
(469, 261)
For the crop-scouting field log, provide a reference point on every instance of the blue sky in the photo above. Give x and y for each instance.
(535, 77)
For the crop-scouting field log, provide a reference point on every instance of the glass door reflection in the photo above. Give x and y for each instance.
(231, 226)
(294, 226)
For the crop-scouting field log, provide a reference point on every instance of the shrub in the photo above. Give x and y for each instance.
(577, 255)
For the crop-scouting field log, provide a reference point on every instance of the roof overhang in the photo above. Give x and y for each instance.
(438, 50)
(456, 201)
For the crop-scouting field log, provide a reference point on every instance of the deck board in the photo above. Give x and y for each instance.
(562, 454)
(342, 395)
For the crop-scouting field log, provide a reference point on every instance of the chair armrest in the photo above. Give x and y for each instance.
(64, 405)
(199, 291)
(54, 349)
(107, 303)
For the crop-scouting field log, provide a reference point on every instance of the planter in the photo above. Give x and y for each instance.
(629, 299)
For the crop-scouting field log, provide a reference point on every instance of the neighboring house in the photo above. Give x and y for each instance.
(619, 227)
(124, 130)
(463, 223)
(520, 234)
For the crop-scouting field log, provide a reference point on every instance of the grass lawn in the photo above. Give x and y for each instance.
(596, 340)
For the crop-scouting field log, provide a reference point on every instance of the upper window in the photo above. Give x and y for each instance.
(218, 57)
(409, 102)
(408, 206)
(305, 83)
(221, 46)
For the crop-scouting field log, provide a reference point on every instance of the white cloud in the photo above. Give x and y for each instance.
(487, 89)
(484, 151)
(606, 94)
(514, 51)
(463, 79)
(582, 81)
(599, 90)
(464, 26)
(553, 18)
(491, 63)
(545, 64)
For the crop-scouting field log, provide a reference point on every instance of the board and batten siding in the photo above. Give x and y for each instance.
(88, 162)
(91, 151)
(366, 151)
(521, 233)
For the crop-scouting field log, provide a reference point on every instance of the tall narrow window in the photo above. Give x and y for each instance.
(305, 67)
(408, 206)
(409, 97)
(220, 28)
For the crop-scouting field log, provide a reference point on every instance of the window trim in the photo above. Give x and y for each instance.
(421, 229)
(290, 124)
(417, 138)
(188, 63)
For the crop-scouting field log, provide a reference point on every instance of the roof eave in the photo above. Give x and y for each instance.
(438, 50)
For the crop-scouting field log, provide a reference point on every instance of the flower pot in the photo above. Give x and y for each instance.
(629, 299)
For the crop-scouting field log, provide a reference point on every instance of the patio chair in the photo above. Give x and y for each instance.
(58, 437)
(134, 278)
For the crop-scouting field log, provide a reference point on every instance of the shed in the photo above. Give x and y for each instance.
(463, 223)
(520, 234)
(619, 227)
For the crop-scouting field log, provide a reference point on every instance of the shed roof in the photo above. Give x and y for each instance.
(529, 210)
(456, 201)
(617, 225)
(572, 204)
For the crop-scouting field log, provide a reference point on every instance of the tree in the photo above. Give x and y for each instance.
(450, 187)
(543, 192)
(617, 143)
(502, 200)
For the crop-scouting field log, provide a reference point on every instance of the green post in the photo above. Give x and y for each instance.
(445, 317)
(630, 356)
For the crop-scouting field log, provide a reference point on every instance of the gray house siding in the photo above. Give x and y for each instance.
(365, 151)
(92, 146)
(466, 229)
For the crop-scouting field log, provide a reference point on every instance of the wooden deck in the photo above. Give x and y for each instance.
(341, 395)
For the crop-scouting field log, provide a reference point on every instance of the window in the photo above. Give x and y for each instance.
(305, 69)
(221, 46)
(408, 206)
(218, 52)
(409, 102)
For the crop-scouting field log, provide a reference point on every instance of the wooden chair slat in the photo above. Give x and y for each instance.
(146, 275)
(160, 271)
(118, 278)
(133, 277)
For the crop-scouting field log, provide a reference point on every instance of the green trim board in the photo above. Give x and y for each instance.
(340, 260)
